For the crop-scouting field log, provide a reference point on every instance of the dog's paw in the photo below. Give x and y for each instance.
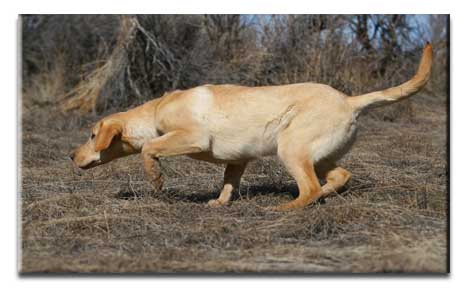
(213, 203)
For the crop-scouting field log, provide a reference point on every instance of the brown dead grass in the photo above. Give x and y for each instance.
(391, 218)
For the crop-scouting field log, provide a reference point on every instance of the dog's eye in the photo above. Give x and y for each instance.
(92, 136)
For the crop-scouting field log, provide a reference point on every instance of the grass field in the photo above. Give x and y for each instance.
(392, 217)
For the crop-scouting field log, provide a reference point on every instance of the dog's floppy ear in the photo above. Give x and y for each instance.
(106, 133)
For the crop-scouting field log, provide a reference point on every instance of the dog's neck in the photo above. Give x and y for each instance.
(140, 124)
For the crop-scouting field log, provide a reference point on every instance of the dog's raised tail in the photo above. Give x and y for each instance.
(398, 93)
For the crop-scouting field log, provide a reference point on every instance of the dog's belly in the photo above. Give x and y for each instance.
(241, 146)
(209, 157)
(236, 146)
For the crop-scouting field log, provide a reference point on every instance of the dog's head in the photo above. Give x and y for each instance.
(104, 144)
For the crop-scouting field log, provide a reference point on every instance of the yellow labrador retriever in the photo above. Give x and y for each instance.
(308, 125)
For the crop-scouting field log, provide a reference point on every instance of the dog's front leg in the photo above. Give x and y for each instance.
(177, 142)
(153, 172)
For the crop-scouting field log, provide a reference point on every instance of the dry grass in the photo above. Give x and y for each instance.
(391, 218)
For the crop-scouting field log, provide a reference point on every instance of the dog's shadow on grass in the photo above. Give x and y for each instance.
(278, 189)
(199, 195)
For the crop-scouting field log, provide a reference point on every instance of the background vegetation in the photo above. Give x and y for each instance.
(100, 62)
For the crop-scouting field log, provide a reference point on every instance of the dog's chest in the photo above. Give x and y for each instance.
(139, 134)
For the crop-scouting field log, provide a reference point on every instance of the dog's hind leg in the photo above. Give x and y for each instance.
(173, 143)
(232, 177)
(298, 163)
(336, 178)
